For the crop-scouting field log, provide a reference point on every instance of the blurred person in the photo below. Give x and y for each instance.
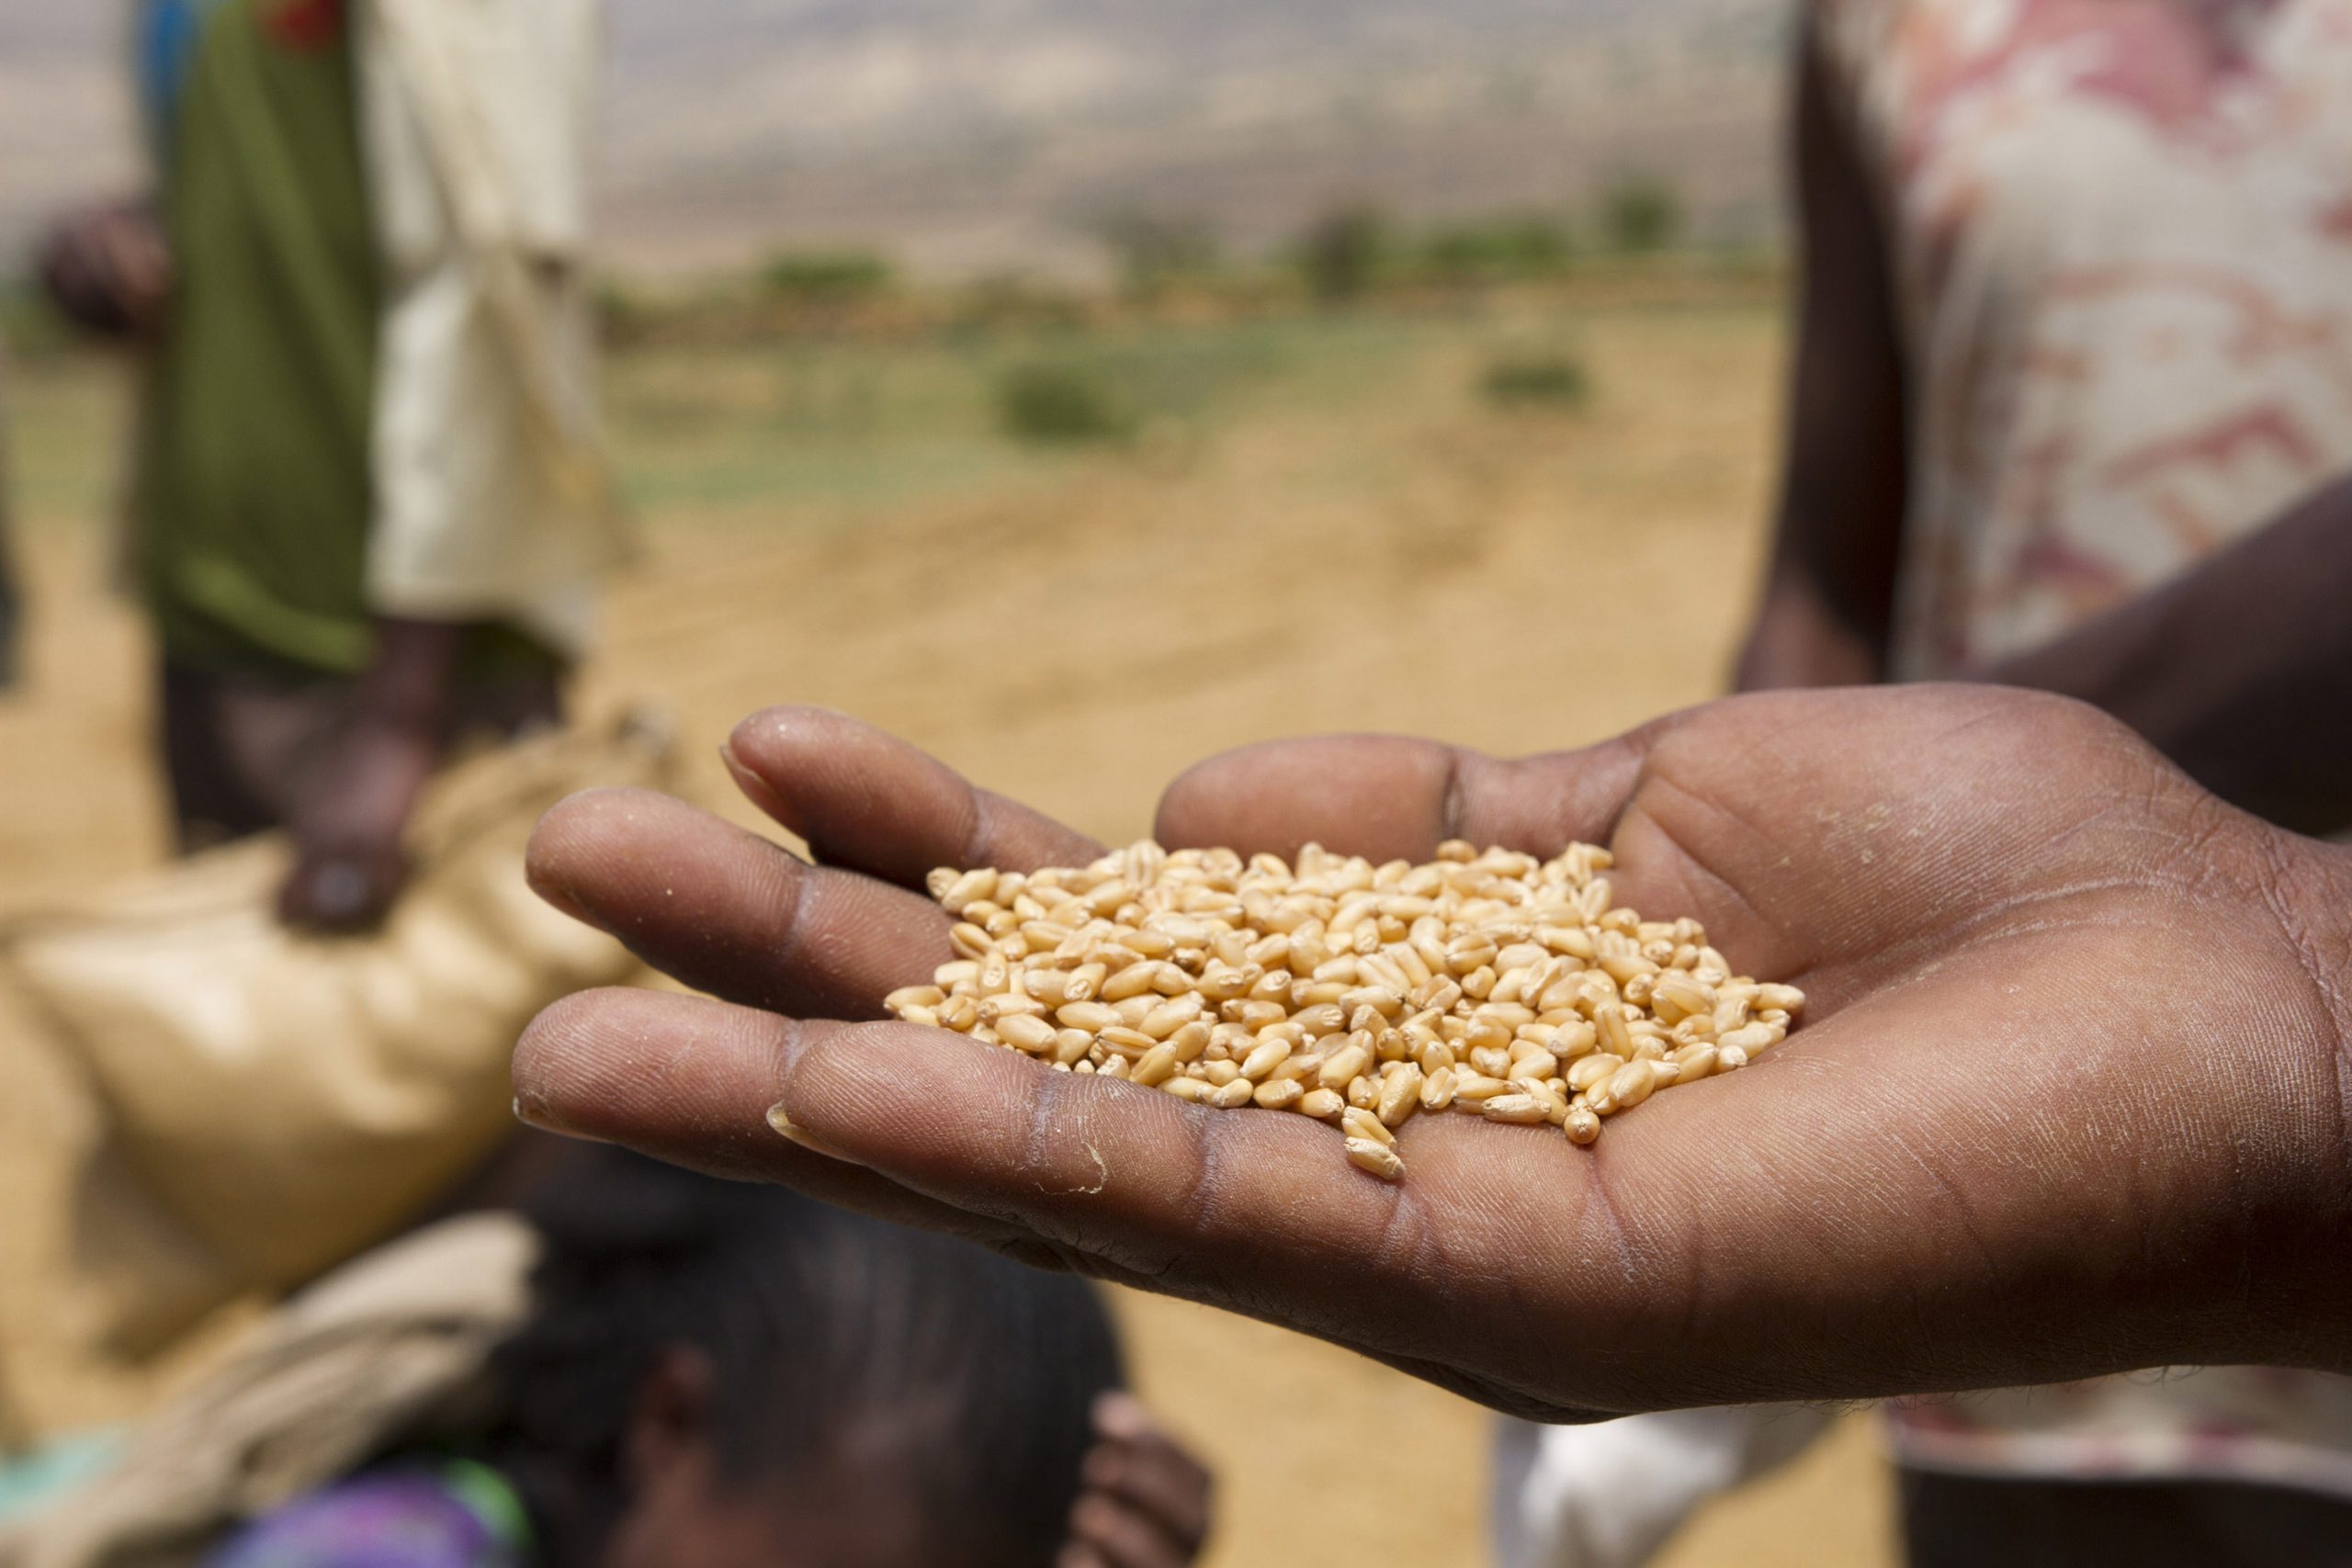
(367, 512)
(697, 1374)
(2072, 408)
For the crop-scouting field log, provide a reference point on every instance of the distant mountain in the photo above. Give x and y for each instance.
(990, 134)
(999, 134)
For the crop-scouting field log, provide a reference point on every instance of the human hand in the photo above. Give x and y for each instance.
(1145, 1503)
(2070, 1097)
(349, 825)
(109, 270)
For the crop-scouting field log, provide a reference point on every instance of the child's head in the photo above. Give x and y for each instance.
(735, 1375)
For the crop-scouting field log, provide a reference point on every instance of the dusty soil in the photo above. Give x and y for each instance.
(1399, 558)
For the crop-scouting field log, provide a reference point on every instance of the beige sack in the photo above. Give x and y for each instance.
(273, 1104)
(390, 1343)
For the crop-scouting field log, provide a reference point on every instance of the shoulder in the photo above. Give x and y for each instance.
(395, 1521)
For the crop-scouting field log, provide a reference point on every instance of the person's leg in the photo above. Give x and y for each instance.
(1958, 1521)
(210, 800)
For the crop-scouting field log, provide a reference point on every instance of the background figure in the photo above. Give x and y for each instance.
(2073, 409)
(699, 1374)
(367, 512)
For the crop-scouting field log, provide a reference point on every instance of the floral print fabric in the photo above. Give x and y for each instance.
(2122, 236)
(2124, 243)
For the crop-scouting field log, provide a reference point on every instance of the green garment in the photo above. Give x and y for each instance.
(255, 486)
(255, 490)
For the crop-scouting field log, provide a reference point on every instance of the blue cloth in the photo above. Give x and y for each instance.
(164, 48)
(29, 1480)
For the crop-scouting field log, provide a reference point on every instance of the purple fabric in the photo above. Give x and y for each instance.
(411, 1520)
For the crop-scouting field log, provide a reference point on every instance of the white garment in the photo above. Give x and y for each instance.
(491, 496)
(1608, 1495)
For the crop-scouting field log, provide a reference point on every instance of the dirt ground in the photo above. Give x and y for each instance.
(1371, 547)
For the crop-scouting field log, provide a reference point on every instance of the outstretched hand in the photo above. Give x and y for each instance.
(2070, 1097)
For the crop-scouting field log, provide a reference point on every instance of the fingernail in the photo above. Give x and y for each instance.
(760, 793)
(787, 1128)
(536, 1113)
(563, 899)
(1120, 1416)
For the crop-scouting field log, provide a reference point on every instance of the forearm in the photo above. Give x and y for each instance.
(2241, 672)
(1798, 642)
(1828, 605)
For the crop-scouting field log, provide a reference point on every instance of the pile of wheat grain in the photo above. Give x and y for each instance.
(1488, 984)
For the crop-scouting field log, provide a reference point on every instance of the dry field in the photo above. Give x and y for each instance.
(1330, 531)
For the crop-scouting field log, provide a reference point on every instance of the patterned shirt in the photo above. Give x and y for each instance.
(2123, 245)
(2122, 235)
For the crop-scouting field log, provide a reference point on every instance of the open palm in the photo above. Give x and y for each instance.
(2069, 1098)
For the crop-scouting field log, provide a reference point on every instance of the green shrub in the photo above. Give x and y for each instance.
(1061, 404)
(1344, 252)
(1537, 381)
(1528, 246)
(1641, 214)
(829, 278)
(1155, 250)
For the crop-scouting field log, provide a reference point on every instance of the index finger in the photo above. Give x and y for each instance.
(865, 801)
(1385, 798)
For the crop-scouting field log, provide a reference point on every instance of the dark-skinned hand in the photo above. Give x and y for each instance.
(2070, 1096)
(109, 270)
(1145, 1499)
(349, 825)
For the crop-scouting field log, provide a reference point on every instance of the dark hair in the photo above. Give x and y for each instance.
(830, 1333)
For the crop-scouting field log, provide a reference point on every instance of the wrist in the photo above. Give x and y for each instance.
(406, 691)
(2314, 898)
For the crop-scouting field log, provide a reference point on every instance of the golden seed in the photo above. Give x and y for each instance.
(1472, 1087)
(1129, 1043)
(1366, 1154)
(1632, 1084)
(1344, 1066)
(1155, 1066)
(1191, 1042)
(1323, 1104)
(1400, 1094)
(1280, 1094)
(1588, 1071)
(1026, 1031)
(1519, 1110)
(1262, 1061)
(1694, 1063)
(1095, 1016)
